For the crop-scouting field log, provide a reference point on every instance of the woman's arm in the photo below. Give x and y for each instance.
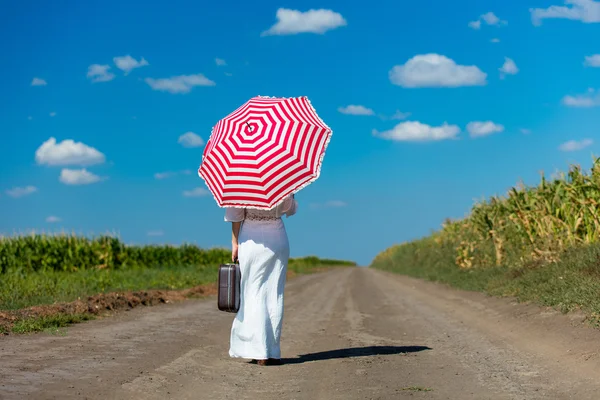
(235, 231)
(235, 215)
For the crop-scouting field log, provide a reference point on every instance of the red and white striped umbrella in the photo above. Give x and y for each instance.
(263, 151)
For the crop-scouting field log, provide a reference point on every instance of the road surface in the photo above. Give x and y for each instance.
(352, 333)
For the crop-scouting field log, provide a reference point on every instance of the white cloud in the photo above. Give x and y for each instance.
(99, 73)
(291, 22)
(38, 82)
(155, 233)
(53, 114)
(197, 192)
(475, 24)
(356, 110)
(434, 70)
(574, 145)
(220, 62)
(592, 61)
(190, 139)
(414, 131)
(67, 152)
(508, 68)
(483, 128)
(228, 74)
(127, 63)
(21, 191)
(52, 219)
(489, 18)
(587, 11)
(169, 174)
(164, 175)
(525, 131)
(495, 40)
(398, 115)
(589, 99)
(179, 84)
(77, 177)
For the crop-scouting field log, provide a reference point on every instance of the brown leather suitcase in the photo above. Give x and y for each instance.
(229, 288)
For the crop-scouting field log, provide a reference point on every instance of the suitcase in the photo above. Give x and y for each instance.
(229, 288)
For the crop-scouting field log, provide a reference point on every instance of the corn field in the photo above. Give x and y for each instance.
(69, 252)
(529, 226)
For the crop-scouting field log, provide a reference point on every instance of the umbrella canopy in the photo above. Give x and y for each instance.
(265, 150)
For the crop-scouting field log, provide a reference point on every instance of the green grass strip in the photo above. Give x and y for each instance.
(569, 284)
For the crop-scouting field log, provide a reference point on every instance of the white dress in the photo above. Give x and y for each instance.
(263, 255)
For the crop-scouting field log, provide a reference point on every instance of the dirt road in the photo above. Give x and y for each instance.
(348, 334)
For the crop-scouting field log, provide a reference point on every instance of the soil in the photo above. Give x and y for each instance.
(351, 333)
(104, 303)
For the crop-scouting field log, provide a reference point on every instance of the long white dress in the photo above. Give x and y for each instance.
(263, 255)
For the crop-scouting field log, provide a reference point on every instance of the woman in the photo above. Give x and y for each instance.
(260, 243)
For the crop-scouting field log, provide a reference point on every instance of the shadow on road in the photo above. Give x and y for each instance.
(354, 352)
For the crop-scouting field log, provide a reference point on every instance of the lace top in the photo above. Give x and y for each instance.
(237, 214)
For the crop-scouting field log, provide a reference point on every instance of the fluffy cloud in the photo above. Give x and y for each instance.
(291, 22)
(574, 145)
(525, 131)
(197, 192)
(475, 24)
(21, 191)
(220, 62)
(356, 110)
(589, 99)
(489, 18)
(127, 63)
(155, 233)
(414, 131)
(78, 177)
(483, 128)
(587, 11)
(67, 152)
(164, 175)
(52, 219)
(434, 70)
(38, 82)
(398, 115)
(179, 84)
(495, 40)
(190, 139)
(169, 174)
(99, 73)
(592, 61)
(508, 68)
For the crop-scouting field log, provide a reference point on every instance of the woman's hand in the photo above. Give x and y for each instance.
(234, 252)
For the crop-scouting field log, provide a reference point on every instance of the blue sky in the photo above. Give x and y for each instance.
(456, 101)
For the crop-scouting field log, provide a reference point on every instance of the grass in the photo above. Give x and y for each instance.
(50, 323)
(20, 290)
(46, 269)
(571, 283)
(538, 244)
